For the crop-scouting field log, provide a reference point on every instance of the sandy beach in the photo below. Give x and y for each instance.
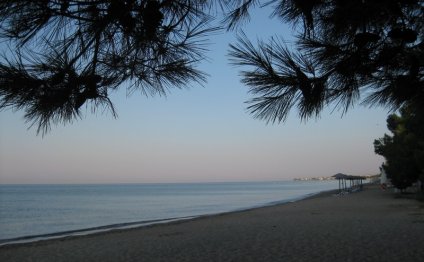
(371, 225)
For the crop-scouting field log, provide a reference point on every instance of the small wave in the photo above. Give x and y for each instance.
(88, 231)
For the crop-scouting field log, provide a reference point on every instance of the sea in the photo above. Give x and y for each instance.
(33, 212)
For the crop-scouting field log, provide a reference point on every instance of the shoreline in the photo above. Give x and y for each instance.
(371, 225)
(87, 231)
(146, 223)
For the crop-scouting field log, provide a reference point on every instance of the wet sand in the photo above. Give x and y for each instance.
(370, 225)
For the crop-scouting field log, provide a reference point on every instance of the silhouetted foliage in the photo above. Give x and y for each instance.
(64, 53)
(404, 150)
(349, 51)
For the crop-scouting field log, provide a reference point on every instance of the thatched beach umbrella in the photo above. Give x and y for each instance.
(354, 181)
(342, 180)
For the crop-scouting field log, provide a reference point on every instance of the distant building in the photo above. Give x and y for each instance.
(383, 176)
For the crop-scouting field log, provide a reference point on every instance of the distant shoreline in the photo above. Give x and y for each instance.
(326, 178)
(370, 225)
(62, 210)
(138, 224)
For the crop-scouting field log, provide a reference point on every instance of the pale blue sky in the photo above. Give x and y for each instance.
(199, 134)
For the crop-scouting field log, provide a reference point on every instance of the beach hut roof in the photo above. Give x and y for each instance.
(340, 176)
(348, 177)
(356, 177)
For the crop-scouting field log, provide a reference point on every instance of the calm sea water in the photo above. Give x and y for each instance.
(34, 210)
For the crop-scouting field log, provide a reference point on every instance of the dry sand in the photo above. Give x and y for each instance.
(367, 226)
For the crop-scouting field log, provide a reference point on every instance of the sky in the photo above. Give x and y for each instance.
(197, 134)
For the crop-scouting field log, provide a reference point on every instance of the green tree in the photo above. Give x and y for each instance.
(65, 53)
(349, 52)
(404, 150)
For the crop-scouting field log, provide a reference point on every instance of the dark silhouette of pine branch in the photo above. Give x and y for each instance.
(238, 11)
(68, 53)
(350, 52)
(280, 78)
